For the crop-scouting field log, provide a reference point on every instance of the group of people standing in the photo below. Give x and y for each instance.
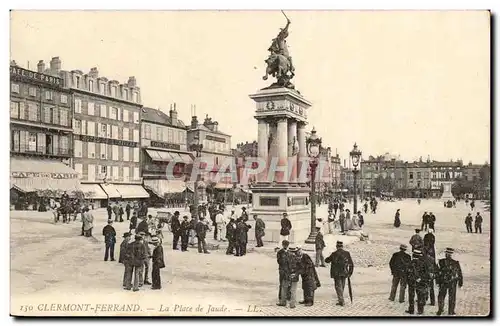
(478, 223)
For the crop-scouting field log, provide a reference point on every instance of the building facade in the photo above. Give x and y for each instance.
(444, 171)
(41, 147)
(106, 127)
(164, 142)
(418, 180)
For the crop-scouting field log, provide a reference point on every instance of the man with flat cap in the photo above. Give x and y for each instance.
(158, 263)
(185, 228)
(341, 268)
(136, 254)
(282, 257)
(418, 282)
(416, 241)
(449, 276)
(399, 264)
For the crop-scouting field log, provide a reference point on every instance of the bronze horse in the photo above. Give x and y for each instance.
(279, 67)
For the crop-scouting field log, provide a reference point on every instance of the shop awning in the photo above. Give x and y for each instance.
(166, 156)
(222, 186)
(132, 191)
(37, 175)
(111, 190)
(190, 185)
(162, 186)
(157, 156)
(93, 191)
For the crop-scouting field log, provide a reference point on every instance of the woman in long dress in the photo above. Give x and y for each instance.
(397, 221)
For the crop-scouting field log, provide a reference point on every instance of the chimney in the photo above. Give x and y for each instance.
(194, 122)
(55, 65)
(13, 63)
(173, 115)
(94, 73)
(132, 82)
(40, 66)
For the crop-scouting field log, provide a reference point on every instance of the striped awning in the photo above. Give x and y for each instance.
(131, 191)
(93, 191)
(161, 186)
(111, 190)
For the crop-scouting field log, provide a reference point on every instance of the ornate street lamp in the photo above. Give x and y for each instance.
(197, 148)
(313, 147)
(355, 157)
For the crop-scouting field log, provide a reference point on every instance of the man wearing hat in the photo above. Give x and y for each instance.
(136, 254)
(449, 276)
(341, 268)
(185, 228)
(244, 214)
(399, 264)
(418, 281)
(133, 221)
(284, 271)
(286, 226)
(416, 241)
(144, 272)
(432, 269)
(432, 221)
(158, 263)
(291, 277)
(231, 235)
(125, 259)
(123, 247)
(109, 234)
(468, 222)
(175, 225)
(201, 229)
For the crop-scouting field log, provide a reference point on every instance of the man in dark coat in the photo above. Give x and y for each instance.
(133, 222)
(116, 211)
(120, 213)
(286, 226)
(158, 263)
(319, 245)
(425, 222)
(283, 269)
(399, 264)
(123, 249)
(432, 269)
(125, 259)
(342, 221)
(416, 241)
(231, 236)
(136, 254)
(397, 219)
(335, 207)
(127, 210)
(429, 242)
(341, 268)
(291, 264)
(310, 280)
(418, 282)
(201, 229)
(142, 227)
(144, 273)
(260, 228)
(449, 276)
(432, 221)
(468, 222)
(176, 229)
(478, 222)
(241, 237)
(110, 211)
(185, 228)
(109, 234)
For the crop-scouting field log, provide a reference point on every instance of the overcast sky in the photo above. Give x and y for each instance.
(409, 83)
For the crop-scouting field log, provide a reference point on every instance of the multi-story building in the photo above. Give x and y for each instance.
(164, 142)
(106, 127)
(216, 151)
(336, 169)
(41, 133)
(471, 172)
(242, 153)
(444, 171)
(418, 179)
(384, 174)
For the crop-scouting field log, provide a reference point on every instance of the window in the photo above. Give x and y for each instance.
(125, 115)
(32, 142)
(182, 138)
(114, 132)
(15, 140)
(102, 89)
(115, 152)
(14, 88)
(78, 105)
(103, 169)
(77, 81)
(64, 98)
(126, 134)
(170, 137)
(136, 174)
(32, 112)
(116, 172)
(159, 133)
(113, 113)
(91, 85)
(147, 131)
(411, 175)
(419, 175)
(113, 91)
(125, 94)
(14, 110)
(79, 169)
(91, 150)
(90, 108)
(103, 110)
(136, 154)
(136, 117)
(104, 148)
(126, 154)
(102, 130)
(84, 127)
(48, 95)
(32, 91)
(78, 148)
(91, 128)
(135, 97)
(91, 172)
(108, 131)
(64, 117)
(64, 147)
(77, 126)
(126, 173)
(136, 135)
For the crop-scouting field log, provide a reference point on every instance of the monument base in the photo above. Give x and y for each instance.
(447, 195)
(271, 201)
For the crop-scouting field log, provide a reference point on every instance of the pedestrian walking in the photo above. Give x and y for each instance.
(185, 228)
(286, 226)
(120, 213)
(478, 222)
(201, 229)
(231, 236)
(449, 276)
(143, 226)
(432, 221)
(432, 269)
(429, 243)
(418, 280)
(127, 210)
(109, 234)
(144, 279)
(310, 280)
(425, 222)
(123, 250)
(397, 220)
(136, 254)
(88, 223)
(416, 241)
(341, 268)
(399, 265)
(175, 225)
(158, 263)
(342, 219)
(468, 222)
(319, 244)
(260, 228)
(361, 219)
(110, 211)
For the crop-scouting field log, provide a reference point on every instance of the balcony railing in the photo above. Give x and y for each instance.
(41, 150)
(111, 179)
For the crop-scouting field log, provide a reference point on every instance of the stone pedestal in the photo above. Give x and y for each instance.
(282, 117)
(447, 195)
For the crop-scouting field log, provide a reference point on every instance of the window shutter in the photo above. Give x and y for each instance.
(108, 131)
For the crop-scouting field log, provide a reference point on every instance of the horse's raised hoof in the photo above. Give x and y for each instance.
(265, 77)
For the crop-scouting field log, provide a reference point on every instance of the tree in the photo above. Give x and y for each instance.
(383, 185)
(462, 186)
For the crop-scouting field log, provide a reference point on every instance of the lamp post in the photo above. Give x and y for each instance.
(313, 146)
(355, 157)
(197, 148)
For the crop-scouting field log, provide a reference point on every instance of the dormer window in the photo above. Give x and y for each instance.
(113, 91)
(91, 85)
(125, 94)
(77, 81)
(103, 89)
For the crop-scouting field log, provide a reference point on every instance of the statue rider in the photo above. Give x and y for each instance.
(279, 45)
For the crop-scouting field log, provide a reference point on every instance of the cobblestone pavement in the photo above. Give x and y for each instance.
(50, 260)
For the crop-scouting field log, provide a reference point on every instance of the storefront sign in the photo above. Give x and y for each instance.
(218, 139)
(36, 76)
(44, 175)
(165, 145)
(106, 141)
